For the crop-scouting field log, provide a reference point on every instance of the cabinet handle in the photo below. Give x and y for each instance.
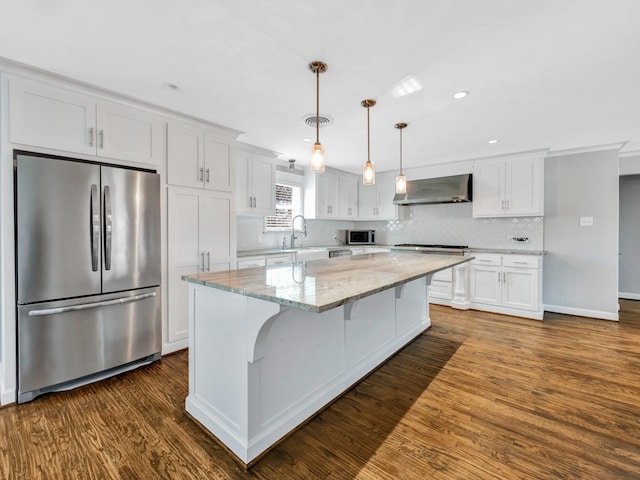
(91, 137)
(207, 177)
(201, 174)
(208, 262)
(202, 261)
(254, 202)
(100, 138)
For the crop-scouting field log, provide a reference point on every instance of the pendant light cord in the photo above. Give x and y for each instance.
(368, 139)
(400, 151)
(317, 104)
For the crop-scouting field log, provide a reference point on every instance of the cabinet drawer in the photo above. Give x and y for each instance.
(439, 289)
(278, 259)
(521, 261)
(251, 263)
(487, 259)
(444, 275)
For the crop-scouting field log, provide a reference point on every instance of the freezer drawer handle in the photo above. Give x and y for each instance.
(108, 228)
(95, 228)
(86, 306)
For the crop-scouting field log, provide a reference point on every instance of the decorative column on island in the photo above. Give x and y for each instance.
(270, 347)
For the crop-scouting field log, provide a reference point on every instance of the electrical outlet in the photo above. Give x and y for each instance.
(586, 221)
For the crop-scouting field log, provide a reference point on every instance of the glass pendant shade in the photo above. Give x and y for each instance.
(369, 173)
(317, 152)
(317, 158)
(369, 169)
(401, 184)
(401, 180)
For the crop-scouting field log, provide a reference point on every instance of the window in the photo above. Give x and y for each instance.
(288, 202)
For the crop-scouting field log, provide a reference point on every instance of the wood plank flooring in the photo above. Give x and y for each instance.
(479, 396)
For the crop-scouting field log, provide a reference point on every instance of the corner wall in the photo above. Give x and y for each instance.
(581, 264)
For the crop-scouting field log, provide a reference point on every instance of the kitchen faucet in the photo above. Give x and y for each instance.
(294, 237)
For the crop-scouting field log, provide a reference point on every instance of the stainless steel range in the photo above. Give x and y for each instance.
(432, 249)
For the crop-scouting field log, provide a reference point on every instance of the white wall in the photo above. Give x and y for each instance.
(581, 264)
(629, 259)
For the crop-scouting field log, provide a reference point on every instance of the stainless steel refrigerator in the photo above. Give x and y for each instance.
(88, 271)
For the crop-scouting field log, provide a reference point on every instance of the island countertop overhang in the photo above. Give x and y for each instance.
(320, 285)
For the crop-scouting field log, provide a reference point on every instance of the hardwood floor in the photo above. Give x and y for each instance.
(479, 396)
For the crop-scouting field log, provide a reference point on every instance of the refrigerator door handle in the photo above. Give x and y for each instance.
(85, 306)
(108, 228)
(95, 228)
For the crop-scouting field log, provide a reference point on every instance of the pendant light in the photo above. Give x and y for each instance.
(401, 180)
(317, 152)
(369, 169)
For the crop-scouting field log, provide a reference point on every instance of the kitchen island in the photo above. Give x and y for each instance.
(269, 347)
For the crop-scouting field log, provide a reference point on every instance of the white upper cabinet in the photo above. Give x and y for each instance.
(322, 195)
(331, 195)
(255, 182)
(349, 197)
(55, 118)
(375, 202)
(509, 187)
(199, 158)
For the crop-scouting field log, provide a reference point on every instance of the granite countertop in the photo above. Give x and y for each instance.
(325, 284)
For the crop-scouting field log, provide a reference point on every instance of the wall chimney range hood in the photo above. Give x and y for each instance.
(452, 189)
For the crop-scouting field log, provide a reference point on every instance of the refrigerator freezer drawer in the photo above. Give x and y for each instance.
(64, 341)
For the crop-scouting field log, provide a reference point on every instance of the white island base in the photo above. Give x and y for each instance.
(258, 369)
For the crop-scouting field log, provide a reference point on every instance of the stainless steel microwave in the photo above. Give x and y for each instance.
(361, 237)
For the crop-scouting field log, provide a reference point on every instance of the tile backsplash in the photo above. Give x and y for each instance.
(432, 224)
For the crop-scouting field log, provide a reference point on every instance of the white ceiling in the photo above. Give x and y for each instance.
(556, 74)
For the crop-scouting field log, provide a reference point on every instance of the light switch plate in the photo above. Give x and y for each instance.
(586, 221)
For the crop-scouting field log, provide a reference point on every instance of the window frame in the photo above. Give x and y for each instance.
(295, 180)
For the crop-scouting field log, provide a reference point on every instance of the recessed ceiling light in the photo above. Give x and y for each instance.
(170, 86)
(306, 139)
(492, 141)
(460, 94)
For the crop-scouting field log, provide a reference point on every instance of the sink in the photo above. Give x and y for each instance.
(306, 254)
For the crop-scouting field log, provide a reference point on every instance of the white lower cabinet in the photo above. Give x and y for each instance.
(441, 287)
(201, 238)
(509, 284)
(264, 260)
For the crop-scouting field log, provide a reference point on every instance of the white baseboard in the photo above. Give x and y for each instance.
(629, 296)
(581, 312)
(175, 346)
(8, 396)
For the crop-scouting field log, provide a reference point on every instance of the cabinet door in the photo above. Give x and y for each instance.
(185, 155)
(520, 288)
(484, 284)
(348, 197)
(263, 185)
(367, 201)
(217, 227)
(46, 116)
(218, 169)
(183, 257)
(386, 192)
(327, 195)
(489, 189)
(524, 190)
(244, 199)
(129, 134)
